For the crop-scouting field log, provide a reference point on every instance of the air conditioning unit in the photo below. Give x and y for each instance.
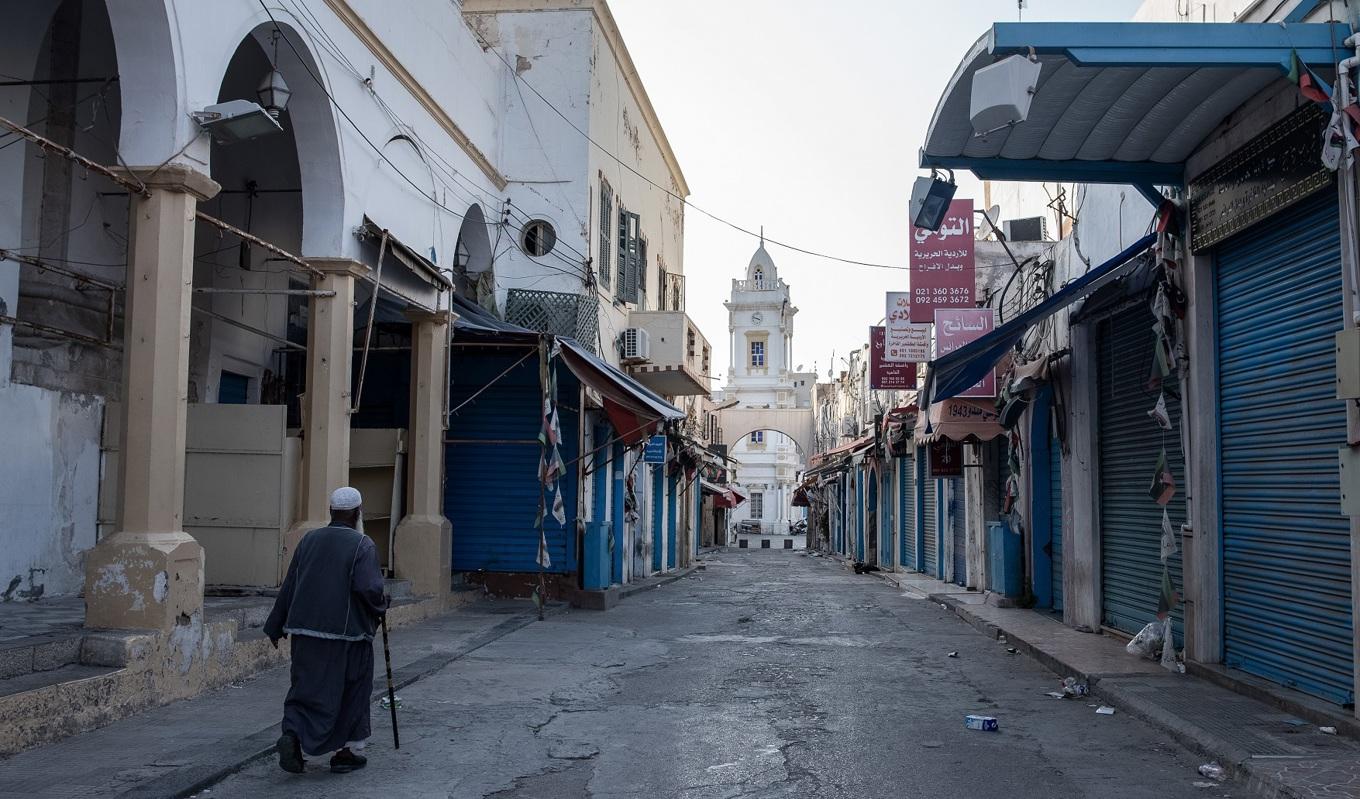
(1034, 228)
(636, 345)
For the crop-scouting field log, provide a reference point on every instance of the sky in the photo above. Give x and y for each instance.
(806, 117)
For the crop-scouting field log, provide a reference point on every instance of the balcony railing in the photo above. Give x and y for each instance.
(759, 285)
(573, 315)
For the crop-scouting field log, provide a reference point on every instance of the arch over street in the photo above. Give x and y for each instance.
(796, 423)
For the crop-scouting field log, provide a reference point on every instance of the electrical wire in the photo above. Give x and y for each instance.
(515, 75)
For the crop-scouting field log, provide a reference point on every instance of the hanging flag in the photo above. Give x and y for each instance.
(1169, 598)
(1163, 486)
(1159, 414)
(1168, 537)
(1308, 83)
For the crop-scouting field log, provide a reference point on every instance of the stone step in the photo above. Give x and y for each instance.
(38, 680)
(38, 653)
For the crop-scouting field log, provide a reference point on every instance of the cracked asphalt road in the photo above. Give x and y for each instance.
(768, 674)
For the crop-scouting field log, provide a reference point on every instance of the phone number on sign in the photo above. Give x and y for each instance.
(946, 291)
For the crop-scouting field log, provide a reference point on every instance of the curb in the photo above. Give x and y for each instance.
(1203, 743)
(656, 582)
(233, 757)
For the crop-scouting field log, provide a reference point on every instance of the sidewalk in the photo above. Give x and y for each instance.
(1276, 753)
(174, 750)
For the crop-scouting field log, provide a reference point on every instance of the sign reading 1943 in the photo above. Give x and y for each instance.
(1274, 170)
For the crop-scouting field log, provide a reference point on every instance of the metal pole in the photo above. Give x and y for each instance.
(256, 240)
(285, 292)
(368, 333)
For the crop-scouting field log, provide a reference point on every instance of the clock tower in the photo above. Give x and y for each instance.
(760, 324)
(762, 375)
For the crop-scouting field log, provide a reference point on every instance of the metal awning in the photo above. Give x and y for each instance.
(954, 372)
(1124, 102)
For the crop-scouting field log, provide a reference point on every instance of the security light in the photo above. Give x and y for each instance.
(236, 121)
(930, 199)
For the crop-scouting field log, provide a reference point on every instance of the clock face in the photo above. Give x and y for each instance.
(757, 318)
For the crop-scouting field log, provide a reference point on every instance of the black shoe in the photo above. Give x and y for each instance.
(346, 761)
(290, 754)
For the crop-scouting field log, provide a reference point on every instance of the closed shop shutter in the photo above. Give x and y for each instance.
(1130, 520)
(1055, 519)
(1286, 544)
(491, 462)
(958, 526)
(885, 516)
(929, 519)
(906, 515)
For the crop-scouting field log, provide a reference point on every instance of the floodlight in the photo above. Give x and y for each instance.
(236, 121)
(930, 199)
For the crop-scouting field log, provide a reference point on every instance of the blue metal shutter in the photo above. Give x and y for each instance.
(885, 501)
(929, 526)
(1055, 517)
(491, 463)
(906, 512)
(958, 525)
(1286, 544)
(1130, 520)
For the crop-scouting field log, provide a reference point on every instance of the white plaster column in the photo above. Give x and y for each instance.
(149, 574)
(424, 541)
(327, 401)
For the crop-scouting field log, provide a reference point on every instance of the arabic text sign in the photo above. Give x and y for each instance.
(904, 342)
(656, 450)
(944, 458)
(942, 267)
(884, 375)
(955, 327)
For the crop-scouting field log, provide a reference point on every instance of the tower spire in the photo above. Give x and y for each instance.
(762, 235)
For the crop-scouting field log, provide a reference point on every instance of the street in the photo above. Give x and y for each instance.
(766, 674)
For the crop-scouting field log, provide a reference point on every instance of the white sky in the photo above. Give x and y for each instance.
(806, 117)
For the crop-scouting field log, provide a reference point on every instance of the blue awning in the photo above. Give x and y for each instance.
(955, 372)
(1120, 102)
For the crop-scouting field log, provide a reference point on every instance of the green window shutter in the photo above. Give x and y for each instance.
(629, 289)
(623, 254)
(606, 230)
(642, 273)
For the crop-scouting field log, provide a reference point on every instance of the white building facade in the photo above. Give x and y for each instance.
(763, 377)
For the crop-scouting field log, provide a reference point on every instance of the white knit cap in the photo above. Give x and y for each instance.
(346, 498)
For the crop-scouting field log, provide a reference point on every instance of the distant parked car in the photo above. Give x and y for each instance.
(749, 527)
(799, 527)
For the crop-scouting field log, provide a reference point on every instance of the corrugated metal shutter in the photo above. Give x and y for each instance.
(1286, 544)
(958, 525)
(491, 459)
(1055, 517)
(1130, 521)
(885, 502)
(906, 512)
(930, 518)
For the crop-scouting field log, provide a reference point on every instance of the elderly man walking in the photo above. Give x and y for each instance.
(330, 604)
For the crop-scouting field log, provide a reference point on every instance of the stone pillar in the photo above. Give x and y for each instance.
(327, 402)
(424, 541)
(149, 574)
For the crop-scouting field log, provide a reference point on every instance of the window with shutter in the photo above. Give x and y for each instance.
(606, 230)
(629, 257)
(642, 273)
(622, 264)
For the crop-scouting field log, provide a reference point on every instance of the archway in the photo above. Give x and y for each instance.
(769, 465)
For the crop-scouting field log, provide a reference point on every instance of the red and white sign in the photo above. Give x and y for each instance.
(955, 327)
(886, 375)
(904, 341)
(943, 273)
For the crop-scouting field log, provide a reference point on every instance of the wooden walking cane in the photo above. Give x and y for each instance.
(391, 694)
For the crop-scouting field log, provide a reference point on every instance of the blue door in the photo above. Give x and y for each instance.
(1046, 513)
(1286, 543)
(930, 529)
(491, 451)
(906, 511)
(1129, 446)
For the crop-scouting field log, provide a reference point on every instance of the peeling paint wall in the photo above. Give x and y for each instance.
(49, 479)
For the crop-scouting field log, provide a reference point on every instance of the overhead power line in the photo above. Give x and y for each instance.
(520, 78)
